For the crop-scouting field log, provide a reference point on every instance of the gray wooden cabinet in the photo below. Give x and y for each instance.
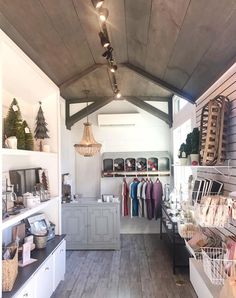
(91, 225)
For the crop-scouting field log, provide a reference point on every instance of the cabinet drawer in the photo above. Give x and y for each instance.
(28, 291)
(44, 279)
(59, 264)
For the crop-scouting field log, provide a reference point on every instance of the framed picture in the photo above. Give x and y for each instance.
(107, 198)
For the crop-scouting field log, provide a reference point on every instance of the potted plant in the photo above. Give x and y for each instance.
(194, 156)
(189, 146)
(183, 154)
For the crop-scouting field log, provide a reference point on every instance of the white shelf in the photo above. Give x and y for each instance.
(8, 152)
(198, 166)
(14, 219)
(218, 169)
(136, 173)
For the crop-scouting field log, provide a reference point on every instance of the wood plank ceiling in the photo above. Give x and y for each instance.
(187, 44)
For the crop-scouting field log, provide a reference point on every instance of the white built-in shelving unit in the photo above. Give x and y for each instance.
(20, 78)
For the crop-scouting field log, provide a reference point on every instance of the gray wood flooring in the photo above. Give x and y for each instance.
(142, 268)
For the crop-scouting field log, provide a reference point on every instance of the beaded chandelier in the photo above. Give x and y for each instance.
(88, 146)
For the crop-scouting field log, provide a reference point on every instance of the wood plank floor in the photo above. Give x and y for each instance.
(142, 268)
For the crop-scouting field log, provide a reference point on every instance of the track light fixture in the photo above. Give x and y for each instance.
(104, 39)
(108, 53)
(97, 3)
(103, 14)
(113, 67)
(117, 93)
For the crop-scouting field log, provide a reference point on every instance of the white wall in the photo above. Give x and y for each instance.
(67, 150)
(152, 134)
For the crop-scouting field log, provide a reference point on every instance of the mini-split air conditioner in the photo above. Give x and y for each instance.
(119, 119)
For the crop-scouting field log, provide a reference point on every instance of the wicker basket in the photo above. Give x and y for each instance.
(10, 271)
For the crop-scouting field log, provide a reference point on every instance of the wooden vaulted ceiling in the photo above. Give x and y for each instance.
(183, 45)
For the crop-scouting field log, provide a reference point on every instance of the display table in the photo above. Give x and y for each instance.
(89, 224)
(177, 244)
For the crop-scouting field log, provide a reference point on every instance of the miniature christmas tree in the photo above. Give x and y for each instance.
(41, 131)
(21, 137)
(44, 181)
(13, 119)
(29, 141)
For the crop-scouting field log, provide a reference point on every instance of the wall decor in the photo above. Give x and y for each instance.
(213, 132)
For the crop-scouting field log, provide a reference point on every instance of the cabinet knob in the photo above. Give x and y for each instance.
(47, 268)
(26, 295)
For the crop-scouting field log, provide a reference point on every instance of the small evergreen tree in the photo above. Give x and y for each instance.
(13, 119)
(29, 141)
(41, 131)
(44, 180)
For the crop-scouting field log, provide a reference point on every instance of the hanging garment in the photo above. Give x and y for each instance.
(140, 200)
(149, 199)
(134, 199)
(157, 193)
(125, 197)
(143, 195)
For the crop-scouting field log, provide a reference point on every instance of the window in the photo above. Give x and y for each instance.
(181, 174)
(179, 103)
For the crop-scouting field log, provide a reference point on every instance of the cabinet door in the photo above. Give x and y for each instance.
(102, 227)
(28, 291)
(59, 264)
(44, 279)
(74, 225)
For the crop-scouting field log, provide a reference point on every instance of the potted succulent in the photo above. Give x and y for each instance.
(194, 154)
(183, 157)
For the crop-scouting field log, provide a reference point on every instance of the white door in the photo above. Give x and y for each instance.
(59, 264)
(102, 225)
(44, 279)
(74, 225)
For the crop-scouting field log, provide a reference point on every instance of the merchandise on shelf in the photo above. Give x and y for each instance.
(213, 211)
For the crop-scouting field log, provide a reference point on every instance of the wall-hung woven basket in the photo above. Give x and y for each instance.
(213, 131)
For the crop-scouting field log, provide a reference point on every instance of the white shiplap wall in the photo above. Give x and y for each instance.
(226, 86)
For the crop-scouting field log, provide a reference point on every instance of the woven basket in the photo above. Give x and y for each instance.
(10, 271)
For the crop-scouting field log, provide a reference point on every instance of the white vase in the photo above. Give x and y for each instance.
(11, 142)
(183, 161)
(46, 148)
(194, 159)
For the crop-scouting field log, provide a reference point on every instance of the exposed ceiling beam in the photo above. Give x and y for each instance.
(149, 108)
(71, 120)
(92, 99)
(86, 99)
(79, 76)
(152, 98)
(170, 111)
(158, 82)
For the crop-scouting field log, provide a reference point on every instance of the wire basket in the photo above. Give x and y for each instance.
(215, 266)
